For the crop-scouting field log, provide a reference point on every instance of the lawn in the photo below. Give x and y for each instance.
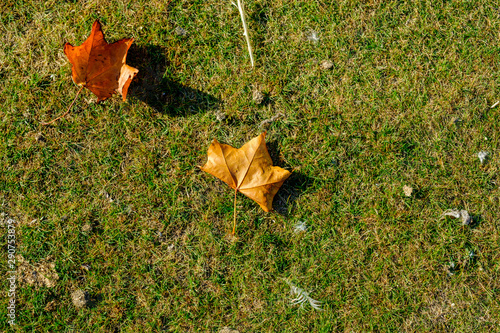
(126, 234)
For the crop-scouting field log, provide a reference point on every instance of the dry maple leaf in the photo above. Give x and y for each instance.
(100, 66)
(248, 169)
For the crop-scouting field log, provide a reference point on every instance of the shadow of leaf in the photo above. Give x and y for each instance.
(292, 188)
(93, 300)
(154, 88)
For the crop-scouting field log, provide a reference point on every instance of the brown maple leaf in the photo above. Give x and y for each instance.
(99, 66)
(248, 169)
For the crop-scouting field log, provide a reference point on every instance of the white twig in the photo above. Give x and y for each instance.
(245, 30)
(459, 214)
(270, 120)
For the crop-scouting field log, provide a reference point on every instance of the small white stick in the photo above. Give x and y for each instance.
(498, 102)
(245, 30)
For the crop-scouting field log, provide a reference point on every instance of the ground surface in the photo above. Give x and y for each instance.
(130, 236)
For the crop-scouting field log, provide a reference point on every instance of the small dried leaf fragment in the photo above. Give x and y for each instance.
(79, 298)
(258, 96)
(326, 64)
(248, 169)
(100, 66)
(408, 190)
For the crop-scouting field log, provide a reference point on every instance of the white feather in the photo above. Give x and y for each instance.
(300, 226)
(302, 297)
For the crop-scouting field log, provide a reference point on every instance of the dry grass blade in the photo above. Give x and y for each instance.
(245, 29)
(67, 111)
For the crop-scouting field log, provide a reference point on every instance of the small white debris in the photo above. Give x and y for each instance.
(302, 297)
(258, 96)
(5, 220)
(220, 116)
(497, 102)
(53, 77)
(39, 137)
(482, 155)
(79, 298)
(313, 37)
(326, 64)
(180, 31)
(300, 226)
(108, 196)
(459, 214)
(408, 190)
(451, 268)
(471, 255)
(86, 228)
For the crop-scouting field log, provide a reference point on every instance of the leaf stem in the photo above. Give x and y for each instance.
(67, 111)
(234, 220)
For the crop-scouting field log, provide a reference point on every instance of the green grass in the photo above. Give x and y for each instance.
(406, 103)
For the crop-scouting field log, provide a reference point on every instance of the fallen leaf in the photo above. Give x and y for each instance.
(248, 170)
(100, 66)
